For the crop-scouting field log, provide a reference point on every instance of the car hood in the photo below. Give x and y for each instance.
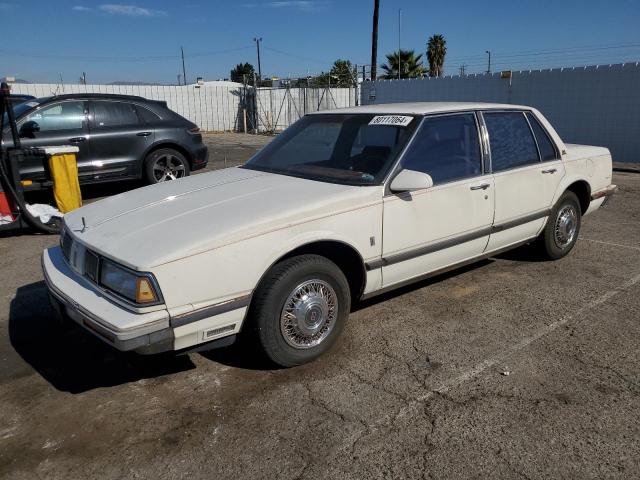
(161, 223)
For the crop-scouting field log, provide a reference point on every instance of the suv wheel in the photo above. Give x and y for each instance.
(300, 309)
(165, 164)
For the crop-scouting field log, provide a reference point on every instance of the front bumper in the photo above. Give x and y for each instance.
(76, 298)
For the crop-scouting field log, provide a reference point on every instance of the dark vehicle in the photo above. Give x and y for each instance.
(119, 137)
(17, 98)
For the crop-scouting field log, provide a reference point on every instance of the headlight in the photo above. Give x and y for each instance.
(136, 287)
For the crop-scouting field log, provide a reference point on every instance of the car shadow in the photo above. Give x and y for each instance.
(244, 354)
(68, 357)
(525, 253)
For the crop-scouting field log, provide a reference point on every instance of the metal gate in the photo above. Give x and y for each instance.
(272, 109)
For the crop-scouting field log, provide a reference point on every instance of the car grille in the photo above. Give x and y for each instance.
(91, 264)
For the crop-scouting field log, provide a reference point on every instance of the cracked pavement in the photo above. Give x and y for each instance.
(415, 388)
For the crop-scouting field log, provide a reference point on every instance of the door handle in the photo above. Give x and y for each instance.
(482, 186)
(550, 170)
(77, 139)
(143, 134)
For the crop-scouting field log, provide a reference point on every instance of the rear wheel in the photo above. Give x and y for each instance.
(300, 309)
(165, 164)
(563, 227)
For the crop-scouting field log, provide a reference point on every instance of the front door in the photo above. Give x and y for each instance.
(61, 123)
(433, 228)
(118, 139)
(527, 173)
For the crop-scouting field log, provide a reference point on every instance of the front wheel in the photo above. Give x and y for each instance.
(165, 164)
(563, 227)
(300, 309)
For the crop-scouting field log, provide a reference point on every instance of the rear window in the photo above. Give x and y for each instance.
(512, 143)
(147, 115)
(113, 114)
(547, 150)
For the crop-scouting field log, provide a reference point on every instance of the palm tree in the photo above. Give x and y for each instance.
(374, 40)
(436, 51)
(411, 65)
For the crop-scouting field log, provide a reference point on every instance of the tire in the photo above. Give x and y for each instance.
(165, 164)
(563, 227)
(289, 339)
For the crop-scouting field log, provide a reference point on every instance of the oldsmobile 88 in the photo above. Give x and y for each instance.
(343, 205)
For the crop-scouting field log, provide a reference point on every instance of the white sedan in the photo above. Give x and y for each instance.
(341, 206)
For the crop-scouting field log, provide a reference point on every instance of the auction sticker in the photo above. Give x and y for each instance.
(395, 120)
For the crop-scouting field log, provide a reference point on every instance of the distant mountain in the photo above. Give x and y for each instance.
(133, 83)
(17, 80)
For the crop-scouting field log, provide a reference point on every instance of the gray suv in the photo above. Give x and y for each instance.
(119, 137)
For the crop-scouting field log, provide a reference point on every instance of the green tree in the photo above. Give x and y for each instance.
(410, 65)
(343, 74)
(436, 51)
(241, 72)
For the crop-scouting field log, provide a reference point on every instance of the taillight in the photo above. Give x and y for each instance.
(194, 131)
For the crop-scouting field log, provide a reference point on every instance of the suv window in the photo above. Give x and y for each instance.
(147, 115)
(447, 148)
(113, 114)
(547, 150)
(512, 143)
(60, 116)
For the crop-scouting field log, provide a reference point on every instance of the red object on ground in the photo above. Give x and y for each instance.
(5, 207)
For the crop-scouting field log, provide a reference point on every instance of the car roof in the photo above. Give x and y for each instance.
(422, 108)
(113, 96)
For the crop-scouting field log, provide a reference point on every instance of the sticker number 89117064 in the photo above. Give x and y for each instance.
(394, 120)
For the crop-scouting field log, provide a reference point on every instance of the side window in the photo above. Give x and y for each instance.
(113, 114)
(447, 148)
(147, 115)
(61, 116)
(511, 141)
(547, 150)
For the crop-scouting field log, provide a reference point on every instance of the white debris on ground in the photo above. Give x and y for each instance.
(506, 373)
(44, 211)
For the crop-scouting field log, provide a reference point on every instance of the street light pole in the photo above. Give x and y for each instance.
(399, 33)
(258, 40)
(489, 66)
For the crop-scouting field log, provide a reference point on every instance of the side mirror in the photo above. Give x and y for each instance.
(409, 180)
(29, 128)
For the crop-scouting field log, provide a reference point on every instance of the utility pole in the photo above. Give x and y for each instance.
(374, 40)
(399, 32)
(463, 67)
(258, 40)
(184, 73)
(179, 79)
(489, 66)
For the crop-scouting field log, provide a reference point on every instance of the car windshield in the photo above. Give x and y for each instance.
(20, 108)
(352, 149)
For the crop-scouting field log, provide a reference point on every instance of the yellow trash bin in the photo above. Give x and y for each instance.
(64, 173)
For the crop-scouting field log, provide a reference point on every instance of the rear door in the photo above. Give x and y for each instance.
(118, 139)
(59, 123)
(525, 185)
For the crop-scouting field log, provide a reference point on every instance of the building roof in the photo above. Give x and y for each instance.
(421, 108)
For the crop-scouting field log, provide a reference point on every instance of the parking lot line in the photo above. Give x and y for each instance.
(481, 367)
(610, 243)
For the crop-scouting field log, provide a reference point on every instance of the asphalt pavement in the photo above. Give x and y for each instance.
(513, 367)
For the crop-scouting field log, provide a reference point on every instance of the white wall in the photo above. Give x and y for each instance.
(214, 108)
(597, 105)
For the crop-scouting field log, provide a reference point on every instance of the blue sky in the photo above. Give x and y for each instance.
(140, 40)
